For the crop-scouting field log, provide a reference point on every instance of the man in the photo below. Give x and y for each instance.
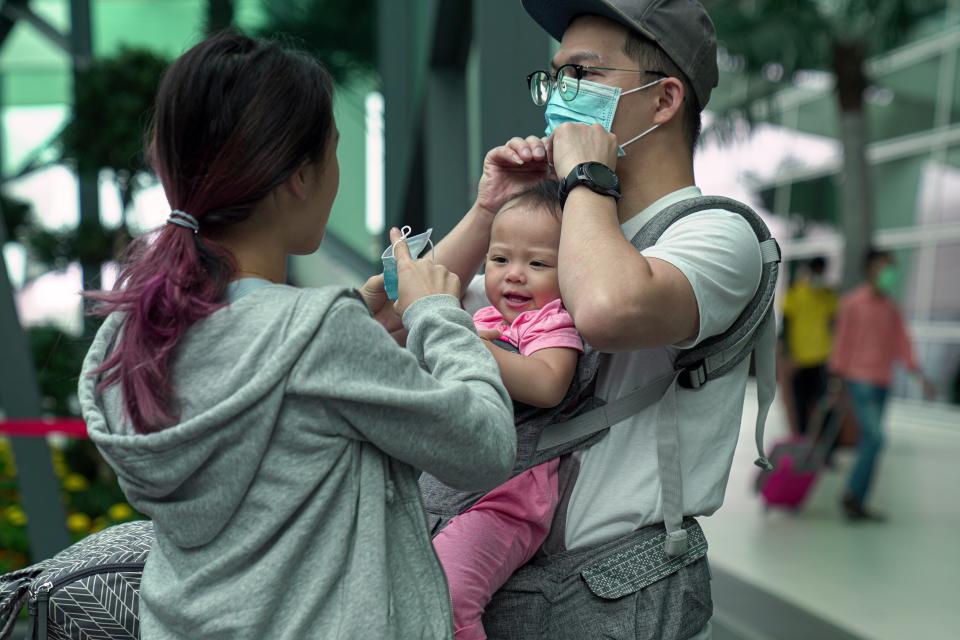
(809, 309)
(650, 65)
(871, 337)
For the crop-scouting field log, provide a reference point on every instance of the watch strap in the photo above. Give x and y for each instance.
(578, 176)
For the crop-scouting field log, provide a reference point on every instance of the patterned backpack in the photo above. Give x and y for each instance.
(88, 591)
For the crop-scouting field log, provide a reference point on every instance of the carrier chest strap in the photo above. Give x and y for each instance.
(604, 417)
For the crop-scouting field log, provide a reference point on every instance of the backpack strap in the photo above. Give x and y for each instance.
(752, 332)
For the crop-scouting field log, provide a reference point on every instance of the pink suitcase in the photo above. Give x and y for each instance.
(798, 459)
(789, 484)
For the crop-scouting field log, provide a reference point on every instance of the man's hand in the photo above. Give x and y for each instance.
(511, 169)
(574, 143)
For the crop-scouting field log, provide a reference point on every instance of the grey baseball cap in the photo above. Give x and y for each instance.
(682, 28)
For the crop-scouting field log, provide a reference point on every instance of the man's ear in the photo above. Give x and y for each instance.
(297, 182)
(669, 100)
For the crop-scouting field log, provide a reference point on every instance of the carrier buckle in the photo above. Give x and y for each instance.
(695, 376)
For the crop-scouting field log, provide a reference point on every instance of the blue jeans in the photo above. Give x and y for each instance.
(868, 403)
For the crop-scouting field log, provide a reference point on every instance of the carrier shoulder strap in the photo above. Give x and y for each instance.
(752, 332)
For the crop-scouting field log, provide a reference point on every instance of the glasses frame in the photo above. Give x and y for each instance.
(578, 69)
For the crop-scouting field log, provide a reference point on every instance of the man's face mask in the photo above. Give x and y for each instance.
(594, 103)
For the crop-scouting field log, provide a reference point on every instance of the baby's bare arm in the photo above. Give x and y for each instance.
(540, 379)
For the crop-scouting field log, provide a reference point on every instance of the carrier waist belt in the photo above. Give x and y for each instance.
(619, 567)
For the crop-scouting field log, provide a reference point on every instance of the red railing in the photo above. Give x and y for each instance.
(40, 427)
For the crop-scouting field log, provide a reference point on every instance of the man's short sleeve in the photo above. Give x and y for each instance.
(719, 254)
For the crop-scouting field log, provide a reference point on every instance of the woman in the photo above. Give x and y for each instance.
(275, 435)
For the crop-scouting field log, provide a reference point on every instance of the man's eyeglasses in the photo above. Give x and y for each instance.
(567, 81)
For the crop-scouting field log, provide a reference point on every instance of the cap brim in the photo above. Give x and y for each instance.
(554, 16)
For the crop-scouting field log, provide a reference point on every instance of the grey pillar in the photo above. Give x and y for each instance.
(446, 141)
(19, 398)
(397, 61)
(219, 15)
(81, 41)
(446, 150)
(510, 45)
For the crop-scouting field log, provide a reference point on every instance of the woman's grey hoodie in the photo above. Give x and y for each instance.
(285, 499)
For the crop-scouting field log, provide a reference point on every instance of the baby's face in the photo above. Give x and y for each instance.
(521, 268)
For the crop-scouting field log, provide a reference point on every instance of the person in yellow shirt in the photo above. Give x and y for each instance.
(809, 309)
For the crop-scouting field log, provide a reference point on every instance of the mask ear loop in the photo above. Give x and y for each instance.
(635, 138)
(404, 232)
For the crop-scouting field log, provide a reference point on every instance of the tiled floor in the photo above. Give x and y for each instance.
(893, 581)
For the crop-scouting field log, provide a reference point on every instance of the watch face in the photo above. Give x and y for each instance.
(601, 175)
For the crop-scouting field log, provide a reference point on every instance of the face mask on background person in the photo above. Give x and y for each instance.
(594, 103)
(887, 279)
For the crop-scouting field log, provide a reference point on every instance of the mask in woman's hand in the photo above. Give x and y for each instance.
(416, 245)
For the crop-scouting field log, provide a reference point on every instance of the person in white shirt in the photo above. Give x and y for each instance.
(625, 90)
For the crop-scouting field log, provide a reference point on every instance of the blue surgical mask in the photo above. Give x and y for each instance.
(595, 103)
(416, 244)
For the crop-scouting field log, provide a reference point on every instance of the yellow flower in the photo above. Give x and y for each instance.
(75, 482)
(78, 522)
(99, 524)
(120, 512)
(16, 516)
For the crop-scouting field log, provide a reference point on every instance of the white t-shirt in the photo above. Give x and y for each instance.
(618, 487)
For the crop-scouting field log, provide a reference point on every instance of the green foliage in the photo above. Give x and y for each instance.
(114, 98)
(16, 214)
(767, 41)
(341, 33)
(800, 34)
(87, 244)
(90, 494)
(14, 546)
(57, 357)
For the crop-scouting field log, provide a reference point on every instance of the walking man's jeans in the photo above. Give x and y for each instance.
(868, 403)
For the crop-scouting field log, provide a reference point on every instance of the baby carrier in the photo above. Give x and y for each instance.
(582, 419)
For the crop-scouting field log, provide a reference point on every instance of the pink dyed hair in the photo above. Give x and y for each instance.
(234, 118)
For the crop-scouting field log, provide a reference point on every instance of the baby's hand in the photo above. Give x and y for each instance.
(511, 169)
(489, 334)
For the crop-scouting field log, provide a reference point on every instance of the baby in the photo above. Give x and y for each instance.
(480, 548)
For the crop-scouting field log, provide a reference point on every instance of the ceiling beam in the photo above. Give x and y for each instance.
(13, 10)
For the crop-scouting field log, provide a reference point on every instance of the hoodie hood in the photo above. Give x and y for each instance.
(228, 375)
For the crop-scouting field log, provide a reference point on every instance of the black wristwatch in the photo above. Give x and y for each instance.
(593, 175)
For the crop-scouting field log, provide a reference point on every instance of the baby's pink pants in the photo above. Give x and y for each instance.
(480, 548)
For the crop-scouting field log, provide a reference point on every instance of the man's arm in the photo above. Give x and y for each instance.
(619, 299)
(842, 341)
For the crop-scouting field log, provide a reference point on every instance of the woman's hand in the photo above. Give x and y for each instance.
(375, 297)
(511, 169)
(419, 278)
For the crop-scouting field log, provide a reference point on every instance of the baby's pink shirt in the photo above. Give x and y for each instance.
(546, 328)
